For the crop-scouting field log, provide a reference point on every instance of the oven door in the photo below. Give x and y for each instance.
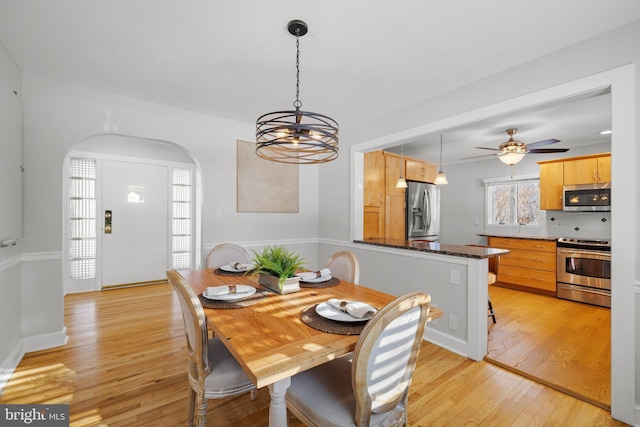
(584, 268)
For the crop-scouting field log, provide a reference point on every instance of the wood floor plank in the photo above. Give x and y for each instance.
(125, 365)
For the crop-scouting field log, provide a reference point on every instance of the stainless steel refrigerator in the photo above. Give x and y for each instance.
(423, 211)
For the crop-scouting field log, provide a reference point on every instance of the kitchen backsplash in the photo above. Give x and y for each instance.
(594, 225)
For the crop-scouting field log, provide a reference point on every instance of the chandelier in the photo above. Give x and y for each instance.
(297, 136)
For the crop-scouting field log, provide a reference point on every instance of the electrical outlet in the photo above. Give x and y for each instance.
(217, 214)
(454, 277)
(453, 322)
(476, 221)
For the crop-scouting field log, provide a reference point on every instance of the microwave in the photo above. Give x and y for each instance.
(587, 197)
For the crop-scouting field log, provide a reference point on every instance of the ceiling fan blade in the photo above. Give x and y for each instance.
(484, 155)
(548, 150)
(543, 143)
(485, 148)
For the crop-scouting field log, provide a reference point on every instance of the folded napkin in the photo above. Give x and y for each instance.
(222, 290)
(239, 266)
(358, 311)
(310, 275)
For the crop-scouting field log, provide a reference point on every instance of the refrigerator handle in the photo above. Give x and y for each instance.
(426, 215)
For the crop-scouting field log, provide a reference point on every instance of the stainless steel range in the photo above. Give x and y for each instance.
(584, 270)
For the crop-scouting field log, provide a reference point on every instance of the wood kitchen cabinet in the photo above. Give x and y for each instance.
(551, 182)
(374, 178)
(417, 170)
(587, 170)
(394, 168)
(530, 264)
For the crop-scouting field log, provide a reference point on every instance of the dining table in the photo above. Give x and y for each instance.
(273, 336)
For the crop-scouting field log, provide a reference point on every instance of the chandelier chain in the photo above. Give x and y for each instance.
(297, 104)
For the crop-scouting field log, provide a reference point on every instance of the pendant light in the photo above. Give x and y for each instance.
(441, 178)
(297, 136)
(402, 183)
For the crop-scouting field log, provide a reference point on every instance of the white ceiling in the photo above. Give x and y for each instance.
(360, 60)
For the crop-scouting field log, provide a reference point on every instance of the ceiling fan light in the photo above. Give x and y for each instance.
(511, 158)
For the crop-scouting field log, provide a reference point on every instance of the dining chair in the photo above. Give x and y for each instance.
(213, 372)
(226, 253)
(372, 390)
(345, 266)
(492, 277)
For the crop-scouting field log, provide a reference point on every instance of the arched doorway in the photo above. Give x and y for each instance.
(131, 211)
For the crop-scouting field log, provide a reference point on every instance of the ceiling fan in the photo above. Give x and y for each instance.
(512, 151)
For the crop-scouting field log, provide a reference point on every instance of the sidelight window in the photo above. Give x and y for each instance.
(82, 218)
(182, 226)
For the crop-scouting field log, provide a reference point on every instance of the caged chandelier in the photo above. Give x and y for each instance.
(297, 136)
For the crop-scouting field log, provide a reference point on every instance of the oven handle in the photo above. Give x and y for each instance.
(587, 254)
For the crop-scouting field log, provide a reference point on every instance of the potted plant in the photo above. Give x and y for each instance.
(276, 266)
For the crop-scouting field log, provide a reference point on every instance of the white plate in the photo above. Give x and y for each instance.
(327, 311)
(230, 269)
(317, 279)
(242, 291)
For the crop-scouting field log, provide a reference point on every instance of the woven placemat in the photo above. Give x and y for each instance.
(329, 283)
(221, 272)
(239, 303)
(311, 318)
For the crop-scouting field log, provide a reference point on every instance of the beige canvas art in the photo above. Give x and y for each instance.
(265, 186)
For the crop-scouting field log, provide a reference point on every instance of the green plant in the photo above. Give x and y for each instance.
(278, 261)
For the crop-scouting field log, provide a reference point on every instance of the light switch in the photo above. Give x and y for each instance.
(454, 278)
(217, 214)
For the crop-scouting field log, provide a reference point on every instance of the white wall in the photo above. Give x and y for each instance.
(10, 212)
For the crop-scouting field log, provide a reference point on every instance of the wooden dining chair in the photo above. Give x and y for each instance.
(226, 253)
(372, 390)
(213, 372)
(345, 266)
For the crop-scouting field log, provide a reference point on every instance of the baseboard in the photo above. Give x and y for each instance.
(453, 344)
(10, 363)
(45, 341)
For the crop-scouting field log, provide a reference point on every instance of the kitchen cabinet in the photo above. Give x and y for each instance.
(591, 169)
(530, 264)
(394, 168)
(395, 217)
(374, 178)
(587, 170)
(373, 222)
(417, 170)
(551, 182)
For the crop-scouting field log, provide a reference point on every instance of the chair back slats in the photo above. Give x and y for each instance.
(227, 253)
(386, 355)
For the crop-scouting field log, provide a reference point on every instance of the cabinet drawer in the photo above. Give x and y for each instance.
(538, 279)
(530, 259)
(529, 244)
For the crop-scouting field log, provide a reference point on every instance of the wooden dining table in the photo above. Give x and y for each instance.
(269, 339)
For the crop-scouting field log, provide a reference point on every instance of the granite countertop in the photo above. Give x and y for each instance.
(437, 248)
(518, 236)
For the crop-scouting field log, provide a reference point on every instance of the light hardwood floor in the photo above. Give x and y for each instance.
(125, 365)
(563, 344)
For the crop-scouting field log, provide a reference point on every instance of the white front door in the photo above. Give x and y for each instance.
(135, 249)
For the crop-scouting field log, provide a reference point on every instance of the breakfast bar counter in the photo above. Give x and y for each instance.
(463, 251)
